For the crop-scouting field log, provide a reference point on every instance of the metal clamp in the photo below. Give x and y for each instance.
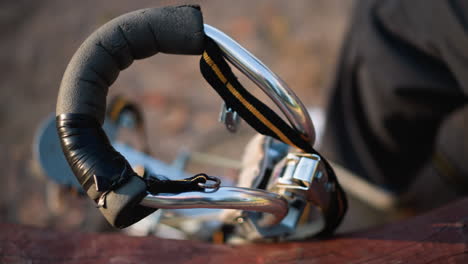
(304, 175)
(303, 181)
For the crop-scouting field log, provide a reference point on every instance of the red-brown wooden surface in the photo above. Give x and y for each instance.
(438, 237)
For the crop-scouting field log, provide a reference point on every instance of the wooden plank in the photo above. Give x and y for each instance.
(440, 236)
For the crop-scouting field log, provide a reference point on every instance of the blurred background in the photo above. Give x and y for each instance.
(299, 40)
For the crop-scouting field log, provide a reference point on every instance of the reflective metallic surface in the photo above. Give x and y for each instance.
(304, 175)
(224, 198)
(215, 185)
(300, 171)
(269, 82)
(302, 180)
(229, 118)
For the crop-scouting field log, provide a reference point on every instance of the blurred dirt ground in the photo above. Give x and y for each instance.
(299, 40)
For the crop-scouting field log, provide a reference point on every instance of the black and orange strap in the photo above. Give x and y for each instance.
(257, 114)
(264, 120)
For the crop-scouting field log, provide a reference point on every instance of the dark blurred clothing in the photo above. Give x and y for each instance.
(397, 113)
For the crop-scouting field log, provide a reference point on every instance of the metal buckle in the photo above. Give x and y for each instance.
(303, 181)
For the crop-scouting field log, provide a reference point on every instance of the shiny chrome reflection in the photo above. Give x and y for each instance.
(268, 81)
(224, 198)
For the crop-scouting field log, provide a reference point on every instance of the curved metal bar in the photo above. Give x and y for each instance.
(268, 81)
(224, 198)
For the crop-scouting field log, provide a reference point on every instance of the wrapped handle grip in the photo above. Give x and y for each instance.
(114, 46)
(105, 174)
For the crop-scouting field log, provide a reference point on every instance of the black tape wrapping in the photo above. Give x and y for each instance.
(100, 169)
(86, 148)
(81, 104)
(114, 46)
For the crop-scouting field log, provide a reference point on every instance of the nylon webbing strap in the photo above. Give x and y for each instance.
(160, 184)
(257, 114)
(264, 120)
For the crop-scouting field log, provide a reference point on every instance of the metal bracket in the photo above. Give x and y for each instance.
(229, 118)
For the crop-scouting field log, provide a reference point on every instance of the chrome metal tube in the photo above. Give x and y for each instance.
(224, 198)
(268, 81)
